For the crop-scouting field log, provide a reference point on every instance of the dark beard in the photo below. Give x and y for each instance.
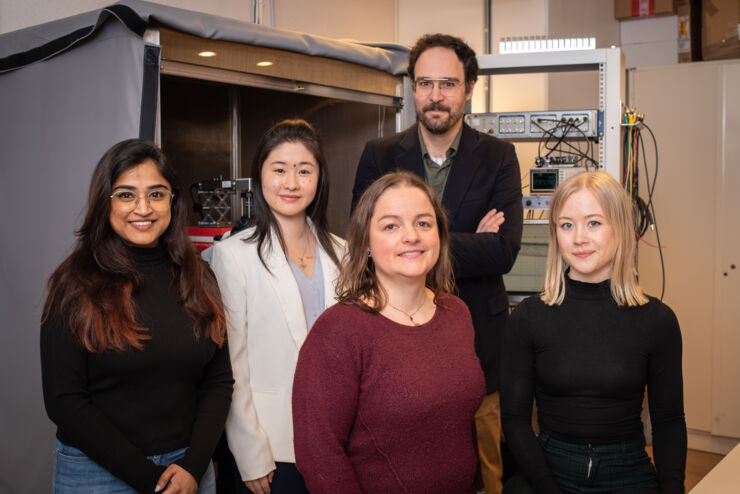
(438, 126)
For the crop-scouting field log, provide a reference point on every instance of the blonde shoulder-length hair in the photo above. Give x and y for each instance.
(613, 200)
(358, 283)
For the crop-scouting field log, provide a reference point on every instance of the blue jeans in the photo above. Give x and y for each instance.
(74, 473)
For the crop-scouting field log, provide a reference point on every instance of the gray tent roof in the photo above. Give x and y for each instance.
(29, 45)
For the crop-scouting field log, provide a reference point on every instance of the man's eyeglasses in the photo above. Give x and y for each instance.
(446, 86)
(156, 199)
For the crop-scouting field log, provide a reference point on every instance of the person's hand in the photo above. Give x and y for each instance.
(490, 222)
(176, 480)
(260, 485)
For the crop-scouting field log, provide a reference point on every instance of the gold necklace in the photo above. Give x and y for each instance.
(412, 314)
(301, 259)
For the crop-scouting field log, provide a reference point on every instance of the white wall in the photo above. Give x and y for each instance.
(359, 20)
(570, 18)
(519, 92)
(518, 18)
(461, 18)
(465, 19)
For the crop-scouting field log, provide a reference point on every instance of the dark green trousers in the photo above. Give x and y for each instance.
(595, 469)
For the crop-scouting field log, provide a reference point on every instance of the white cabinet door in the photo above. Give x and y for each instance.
(694, 110)
(726, 384)
(680, 103)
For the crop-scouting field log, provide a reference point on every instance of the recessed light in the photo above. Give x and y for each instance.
(207, 54)
(264, 63)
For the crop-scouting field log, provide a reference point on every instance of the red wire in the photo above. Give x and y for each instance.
(653, 245)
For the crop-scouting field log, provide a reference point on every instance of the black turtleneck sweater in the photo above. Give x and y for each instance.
(587, 362)
(120, 407)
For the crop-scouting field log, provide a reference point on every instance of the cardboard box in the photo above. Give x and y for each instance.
(720, 20)
(629, 9)
(649, 41)
(689, 30)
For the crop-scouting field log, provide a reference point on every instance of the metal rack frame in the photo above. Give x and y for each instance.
(609, 62)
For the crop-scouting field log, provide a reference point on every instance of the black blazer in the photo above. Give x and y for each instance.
(484, 175)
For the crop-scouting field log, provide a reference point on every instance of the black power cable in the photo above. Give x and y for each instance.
(650, 204)
(560, 132)
(644, 211)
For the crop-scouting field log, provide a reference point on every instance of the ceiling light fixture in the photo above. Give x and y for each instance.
(207, 54)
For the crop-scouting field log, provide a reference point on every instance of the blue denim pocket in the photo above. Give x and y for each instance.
(69, 453)
(168, 458)
(74, 473)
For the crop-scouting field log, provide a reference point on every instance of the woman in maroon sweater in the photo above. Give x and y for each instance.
(387, 382)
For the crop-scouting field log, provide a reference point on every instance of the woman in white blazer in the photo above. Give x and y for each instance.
(276, 277)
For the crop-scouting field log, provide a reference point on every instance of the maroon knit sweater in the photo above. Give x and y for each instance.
(379, 407)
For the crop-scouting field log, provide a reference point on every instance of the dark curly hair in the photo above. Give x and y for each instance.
(464, 52)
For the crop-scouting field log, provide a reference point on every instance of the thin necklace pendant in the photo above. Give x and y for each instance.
(302, 259)
(411, 315)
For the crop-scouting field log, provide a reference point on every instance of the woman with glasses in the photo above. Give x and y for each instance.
(586, 348)
(276, 277)
(388, 383)
(135, 366)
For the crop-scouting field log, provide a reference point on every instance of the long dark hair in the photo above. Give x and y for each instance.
(91, 291)
(299, 131)
(358, 282)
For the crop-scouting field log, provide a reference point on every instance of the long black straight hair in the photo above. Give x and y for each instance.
(264, 221)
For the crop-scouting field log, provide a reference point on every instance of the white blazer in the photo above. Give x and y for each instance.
(266, 327)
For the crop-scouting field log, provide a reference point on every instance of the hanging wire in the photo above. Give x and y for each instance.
(643, 212)
(556, 139)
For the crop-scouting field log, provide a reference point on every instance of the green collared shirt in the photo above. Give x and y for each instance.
(436, 175)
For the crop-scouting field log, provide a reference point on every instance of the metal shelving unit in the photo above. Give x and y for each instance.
(609, 62)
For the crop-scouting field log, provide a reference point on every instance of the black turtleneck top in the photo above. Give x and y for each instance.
(120, 407)
(587, 362)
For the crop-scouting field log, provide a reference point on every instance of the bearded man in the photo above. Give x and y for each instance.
(477, 178)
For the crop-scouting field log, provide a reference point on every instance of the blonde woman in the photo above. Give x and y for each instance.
(586, 348)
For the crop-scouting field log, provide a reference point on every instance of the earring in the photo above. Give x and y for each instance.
(368, 253)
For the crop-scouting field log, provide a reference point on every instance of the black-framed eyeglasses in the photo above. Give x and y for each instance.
(155, 199)
(425, 85)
